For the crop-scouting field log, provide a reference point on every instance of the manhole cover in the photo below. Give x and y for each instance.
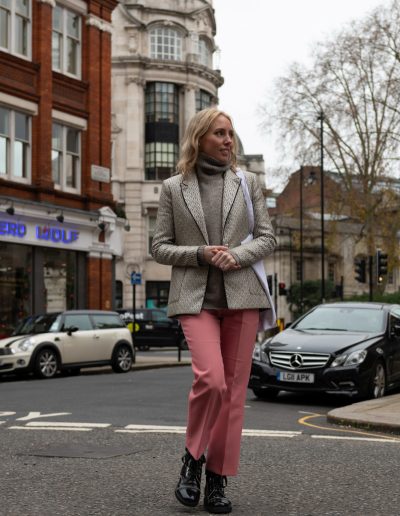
(84, 451)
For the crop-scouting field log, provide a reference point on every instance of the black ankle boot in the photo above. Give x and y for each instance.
(188, 489)
(215, 500)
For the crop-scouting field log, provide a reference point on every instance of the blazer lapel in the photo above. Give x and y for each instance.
(191, 194)
(231, 187)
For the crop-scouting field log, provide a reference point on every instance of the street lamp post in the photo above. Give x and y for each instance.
(321, 119)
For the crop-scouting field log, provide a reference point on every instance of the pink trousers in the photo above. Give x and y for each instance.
(221, 343)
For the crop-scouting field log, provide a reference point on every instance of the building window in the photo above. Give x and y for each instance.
(331, 271)
(161, 131)
(119, 294)
(151, 224)
(65, 157)
(298, 270)
(162, 102)
(165, 43)
(157, 294)
(204, 53)
(160, 160)
(66, 42)
(203, 100)
(15, 145)
(15, 26)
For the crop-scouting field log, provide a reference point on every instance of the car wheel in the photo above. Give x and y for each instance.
(266, 394)
(122, 359)
(377, 386)
(46, 363)
(183, 345)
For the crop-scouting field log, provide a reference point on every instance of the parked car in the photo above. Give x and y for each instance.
(346, 348)
(154, 328)
(67, 341)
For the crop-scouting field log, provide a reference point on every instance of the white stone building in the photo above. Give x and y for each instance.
(162, 73)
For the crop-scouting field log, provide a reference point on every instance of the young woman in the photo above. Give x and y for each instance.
(202, 220)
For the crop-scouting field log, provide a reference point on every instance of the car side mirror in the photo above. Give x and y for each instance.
(71, 329)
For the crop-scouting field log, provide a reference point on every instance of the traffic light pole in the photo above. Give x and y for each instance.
(371, 282)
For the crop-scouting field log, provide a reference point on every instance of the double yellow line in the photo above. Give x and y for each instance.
(305, 421)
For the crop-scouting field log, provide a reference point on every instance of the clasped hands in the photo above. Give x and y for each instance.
(219, 256)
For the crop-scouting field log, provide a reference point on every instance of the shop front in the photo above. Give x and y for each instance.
(48, 266)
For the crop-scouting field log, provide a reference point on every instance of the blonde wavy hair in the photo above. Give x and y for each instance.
(197, 127)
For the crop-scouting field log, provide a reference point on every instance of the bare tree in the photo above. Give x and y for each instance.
(355, 83)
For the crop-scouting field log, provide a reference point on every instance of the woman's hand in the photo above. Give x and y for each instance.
(219, 256)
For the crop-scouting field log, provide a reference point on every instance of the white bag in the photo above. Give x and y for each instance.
(268, 316)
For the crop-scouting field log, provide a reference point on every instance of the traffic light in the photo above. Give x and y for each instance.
(381, 265)
(360, 267)
(282, 289)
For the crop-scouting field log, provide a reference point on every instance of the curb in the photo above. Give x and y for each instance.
(364, 425)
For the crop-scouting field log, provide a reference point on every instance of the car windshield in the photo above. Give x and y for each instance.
(343, 319)
(36, 324)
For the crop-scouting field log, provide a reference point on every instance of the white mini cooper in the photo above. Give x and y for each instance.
(67, 341)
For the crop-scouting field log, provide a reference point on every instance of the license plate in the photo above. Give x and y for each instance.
(285, 376)
(149, 326)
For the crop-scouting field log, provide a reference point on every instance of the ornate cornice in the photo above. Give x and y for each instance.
(52, 3)
(95, 21)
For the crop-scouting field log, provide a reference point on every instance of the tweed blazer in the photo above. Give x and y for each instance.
(181, 229)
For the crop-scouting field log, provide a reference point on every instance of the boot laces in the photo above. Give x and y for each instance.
(193, 467)
(216, 485)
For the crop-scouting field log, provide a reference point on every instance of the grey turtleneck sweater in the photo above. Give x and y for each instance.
(210, 175)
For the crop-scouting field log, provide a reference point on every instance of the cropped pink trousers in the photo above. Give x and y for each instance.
(221, 343)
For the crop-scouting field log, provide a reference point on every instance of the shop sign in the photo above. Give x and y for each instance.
(67, 236)
(12, 229)
(51, 234)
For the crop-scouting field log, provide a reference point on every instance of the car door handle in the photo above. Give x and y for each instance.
(96, 336)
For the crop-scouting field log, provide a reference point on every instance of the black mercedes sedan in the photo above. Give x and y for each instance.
(345, 348)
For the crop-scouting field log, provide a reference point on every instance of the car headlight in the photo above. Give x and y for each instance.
(354, 358)
(26, 344)
(259, 354)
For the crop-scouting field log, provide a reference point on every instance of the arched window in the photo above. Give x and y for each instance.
(204, 53)
(165, 43)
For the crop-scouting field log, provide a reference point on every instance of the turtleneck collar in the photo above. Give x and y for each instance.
(211, 166)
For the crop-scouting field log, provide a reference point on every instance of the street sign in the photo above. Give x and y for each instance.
(136, 278)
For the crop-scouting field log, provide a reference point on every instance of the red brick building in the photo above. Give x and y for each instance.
(59, 235)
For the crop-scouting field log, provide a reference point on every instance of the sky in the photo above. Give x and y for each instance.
(258, 40)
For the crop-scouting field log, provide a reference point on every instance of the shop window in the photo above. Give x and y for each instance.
(15, 27)
(65, 157)
(15, 285)
(59, 277)
(204, 53)
(15, 145)
(66, 42)
(165, 43)
(157, 294)
(203, 100)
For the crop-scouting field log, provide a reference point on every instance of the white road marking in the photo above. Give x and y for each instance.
(1, 422)
(69, 428)
(305, 412)
(375, 439)
(4, 414)
(269, 433)
(62, 424)
(36, 415)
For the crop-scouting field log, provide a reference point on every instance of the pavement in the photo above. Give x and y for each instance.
(381, 415)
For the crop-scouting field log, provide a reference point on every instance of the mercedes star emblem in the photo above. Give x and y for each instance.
(296, 361)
